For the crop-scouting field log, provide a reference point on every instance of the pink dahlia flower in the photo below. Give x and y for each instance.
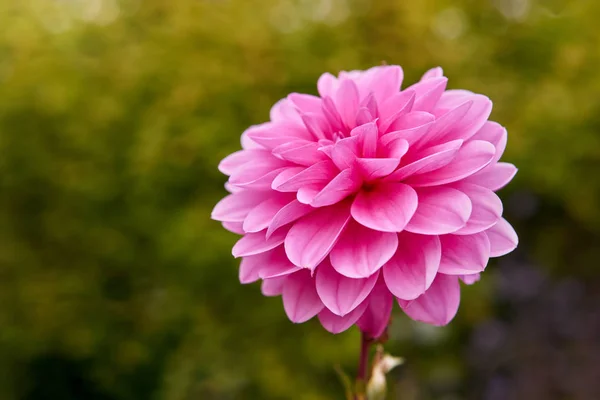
(367, 193)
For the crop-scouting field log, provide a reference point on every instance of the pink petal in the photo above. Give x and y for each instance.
(235, 207)
(367, 138)
(234, 227)
(344, 184)
(464, 128)
(289, 213)
(387, 207)
(441, 210)
(248, 271)
(429, 160)
(317, 125)
(300, 299)
(235, 160)
(273, 134)
(464, 255)
(321, 172)
(503, 238)
(332, 115)
(436, 72)
(360, 251)
(301, 152)
(336, 324)
(487, 208)
(385, 81)
(369, 103)
(258, 174)
(255, 243)
(363, 116)
(438, 305)
(470, 158)
(327, 85)
(345, 151)
(284, 111)
(428, 93)
(411, 127)
(376, 317)
(494, 133)
(249, 144)
(273, 286)
(395, 107)
(410, 272)
(470, 279)
(396, 148)
(307, 194)
(495, 176)
(444, 124)
(373, 168)
(341, 294)
(305, 102)
(312, 237)
(270, 264)
(261, 216)
(346, 101)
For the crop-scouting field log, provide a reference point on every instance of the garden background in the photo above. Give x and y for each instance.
(116, 285)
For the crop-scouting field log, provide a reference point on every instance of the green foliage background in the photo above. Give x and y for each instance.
(114, 282)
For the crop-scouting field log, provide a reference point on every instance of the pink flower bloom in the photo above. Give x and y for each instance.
(369, 193)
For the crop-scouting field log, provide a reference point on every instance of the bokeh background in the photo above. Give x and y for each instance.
(116, 285)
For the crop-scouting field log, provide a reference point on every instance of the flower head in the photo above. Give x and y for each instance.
(367, 193)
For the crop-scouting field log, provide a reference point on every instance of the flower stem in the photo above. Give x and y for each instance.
(363, 367)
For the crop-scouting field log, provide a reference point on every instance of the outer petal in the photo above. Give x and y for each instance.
(387, 207)
(384, 81)
(255, 243)
(464, 255)
(274, 264)
(234, 227)
(258, 174)
(336, 324)
(470, 279)
(441, 210)
(341, 294)
(289, 213)
(312, 238)
(414, 266)
(235, 207)
(436, 72)
(495, 176)
(487, 208)
(301, 152)
(478, 113)
(494, 133)
(248, 271)
(503, 238)
(379, 310)
(472, 157)
(273, 286)
(360, 251)
(438, 305)
(261, 216)
(235, 160)
(300, 299)
(327, 85)
(428, 92)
